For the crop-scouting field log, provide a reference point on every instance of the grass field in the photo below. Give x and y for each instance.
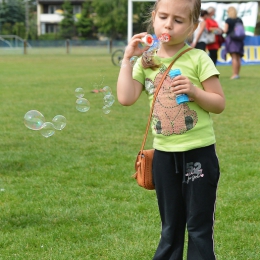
(71, 196)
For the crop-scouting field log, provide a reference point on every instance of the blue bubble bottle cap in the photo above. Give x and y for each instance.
(183, 98)
(174, 73)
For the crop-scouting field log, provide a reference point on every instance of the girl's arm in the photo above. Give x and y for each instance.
(128, 89)
(211, 98)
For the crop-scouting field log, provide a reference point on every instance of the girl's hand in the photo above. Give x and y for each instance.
(182, 85)
(132, 49)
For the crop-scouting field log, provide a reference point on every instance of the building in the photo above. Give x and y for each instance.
(49, 14)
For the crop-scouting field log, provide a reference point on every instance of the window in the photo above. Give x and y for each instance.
(51, 28)
(76, 9)
(53, 8)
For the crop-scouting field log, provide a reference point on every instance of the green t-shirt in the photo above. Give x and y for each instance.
(176, 127)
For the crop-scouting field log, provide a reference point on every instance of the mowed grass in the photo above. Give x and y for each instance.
(71, 196)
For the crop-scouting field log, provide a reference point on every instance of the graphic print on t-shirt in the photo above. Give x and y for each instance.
(168, 117)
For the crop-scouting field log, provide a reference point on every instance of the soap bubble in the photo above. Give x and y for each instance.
(98, 81)
(109, 100)
(106, 109)
(47, 129)
(107, 90)
(34, 120)
(59, 122)
(79, 92)
(82, 105)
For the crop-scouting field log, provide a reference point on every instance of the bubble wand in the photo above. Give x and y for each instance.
(148, 39)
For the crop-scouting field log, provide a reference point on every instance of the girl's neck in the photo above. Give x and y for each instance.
(167, 51)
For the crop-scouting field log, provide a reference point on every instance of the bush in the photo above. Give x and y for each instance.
(50, 36)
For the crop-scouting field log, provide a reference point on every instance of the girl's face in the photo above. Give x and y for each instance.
(173, 17)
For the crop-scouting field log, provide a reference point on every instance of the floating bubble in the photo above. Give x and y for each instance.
(79, 92)
(98, 81)
(47, 129)
(133, 60)
(59, 122)
(106, 109)
(34, 120)
(107, 90)
(109, 100)
(82, 105)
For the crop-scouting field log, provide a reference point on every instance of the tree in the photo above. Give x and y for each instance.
(12, 17)
(67, 27)
(141, 12)
(13, 12)
(84, 23)
(111, 17)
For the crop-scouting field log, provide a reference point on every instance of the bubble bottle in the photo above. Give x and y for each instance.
(181, 98)
(148, 40)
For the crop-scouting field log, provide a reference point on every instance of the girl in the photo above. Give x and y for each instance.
(185, 165)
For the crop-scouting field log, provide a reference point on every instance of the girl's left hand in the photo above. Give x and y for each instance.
(182, 85)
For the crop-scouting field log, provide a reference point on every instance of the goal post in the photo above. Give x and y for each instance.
(130, 17)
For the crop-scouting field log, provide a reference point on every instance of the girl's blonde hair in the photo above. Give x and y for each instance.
(232, 12)
(148, 62)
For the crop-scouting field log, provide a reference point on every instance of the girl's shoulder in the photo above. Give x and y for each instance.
(197, 55)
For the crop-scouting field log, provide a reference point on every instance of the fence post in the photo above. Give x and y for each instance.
(68, 46)
(24, 47)
(110, 45)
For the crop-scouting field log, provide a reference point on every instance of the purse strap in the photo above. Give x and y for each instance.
(155, 95)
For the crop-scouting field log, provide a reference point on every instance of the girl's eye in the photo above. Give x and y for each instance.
(163, 17)
(178, 21)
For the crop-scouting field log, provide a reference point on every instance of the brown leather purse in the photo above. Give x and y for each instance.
(144, 159)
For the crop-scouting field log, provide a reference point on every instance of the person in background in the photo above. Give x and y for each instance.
(199, 38)
(234, 47)
(213, 26)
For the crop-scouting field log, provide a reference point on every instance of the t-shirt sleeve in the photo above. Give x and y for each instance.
(206, 67)
(138, 72)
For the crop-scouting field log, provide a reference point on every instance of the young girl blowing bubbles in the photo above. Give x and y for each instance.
(185, 165)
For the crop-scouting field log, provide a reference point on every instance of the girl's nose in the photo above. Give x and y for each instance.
(168, 24)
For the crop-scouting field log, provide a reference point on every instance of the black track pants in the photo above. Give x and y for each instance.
(213, 54)
(186, 186)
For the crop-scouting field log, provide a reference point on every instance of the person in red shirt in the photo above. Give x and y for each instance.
(213, 26)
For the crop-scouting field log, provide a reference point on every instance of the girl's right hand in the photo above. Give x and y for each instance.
(133, 49)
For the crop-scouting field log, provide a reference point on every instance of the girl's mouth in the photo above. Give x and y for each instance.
(165, 37)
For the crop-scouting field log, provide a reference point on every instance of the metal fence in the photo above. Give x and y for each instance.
(13, 45)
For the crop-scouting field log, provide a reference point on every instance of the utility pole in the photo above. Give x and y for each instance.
(27, 18)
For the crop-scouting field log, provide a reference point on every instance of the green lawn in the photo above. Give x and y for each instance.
(71, 196)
